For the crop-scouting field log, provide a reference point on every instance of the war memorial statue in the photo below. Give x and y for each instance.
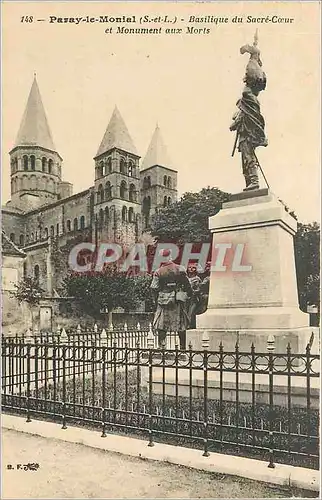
(248, 121)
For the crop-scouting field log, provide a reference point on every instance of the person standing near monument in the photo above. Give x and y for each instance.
(248, 122)
(172, 289)
(195, 282)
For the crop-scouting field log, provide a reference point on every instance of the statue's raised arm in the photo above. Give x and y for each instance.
(248, 121)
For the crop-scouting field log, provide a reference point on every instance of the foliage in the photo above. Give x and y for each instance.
(187, 220)
(27, 290)
(107, 290)
(307, 259)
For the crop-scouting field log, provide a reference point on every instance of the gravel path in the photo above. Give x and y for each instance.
(75, 471)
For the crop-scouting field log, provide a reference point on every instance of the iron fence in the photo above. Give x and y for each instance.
(212, 400)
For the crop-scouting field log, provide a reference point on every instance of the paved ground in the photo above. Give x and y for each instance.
(76, 471)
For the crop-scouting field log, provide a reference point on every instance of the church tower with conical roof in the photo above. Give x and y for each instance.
(35, 162)
(117, 184)
(158, 179)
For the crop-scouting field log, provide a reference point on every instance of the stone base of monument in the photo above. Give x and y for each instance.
(253, 288)
(167, 382)
(298, 339)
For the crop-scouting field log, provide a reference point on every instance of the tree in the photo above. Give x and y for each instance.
(29, 291)
(187, 220)
(107, 290)
(307, 259)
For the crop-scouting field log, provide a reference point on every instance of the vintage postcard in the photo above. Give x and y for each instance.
(160, 249)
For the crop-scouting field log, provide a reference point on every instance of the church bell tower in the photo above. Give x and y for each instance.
(34, 161)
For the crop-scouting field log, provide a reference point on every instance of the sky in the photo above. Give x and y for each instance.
(188, 84)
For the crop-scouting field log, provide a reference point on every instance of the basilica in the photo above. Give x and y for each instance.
(44, 219)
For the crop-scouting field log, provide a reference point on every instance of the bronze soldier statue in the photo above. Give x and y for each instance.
(172, 290)
(248, 121)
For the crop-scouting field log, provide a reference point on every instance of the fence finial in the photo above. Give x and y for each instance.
(95, 328)
(150, 338)
(138, 326)
(63, 337)
(309, 345)
(111, 327)
(29, 335)
(35, 332)
(58, 329)
(125, 326)
(103, 337)
(78, 329)
(205, 340)
(271, 343)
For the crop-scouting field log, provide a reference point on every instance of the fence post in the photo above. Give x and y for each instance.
(150, 344)
(205, 346)
(64, 340)
(271, 348)
(28, 341)
(308, 387)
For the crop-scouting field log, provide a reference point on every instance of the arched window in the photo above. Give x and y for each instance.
(109, 164)
(33, 162)
(122, 166)
(32, 237)
(132, 193)
(131, 214)
(36, 273)
(52, 231)
(107, 215)
(165, 181)
(169, 201)
(25, 162)
(50, 166)
(169, 182)
(100, 194)
(146, 182)
(75, 224)
(100, 170)
(44, 164)
(124, 214)
(33, 182)
(82, 222)
(57, 229)
(27, 238)
(123, 190)
(12, 237)
(21, 240)
(131, 169)
(146, 210)
(108, 191)
(101, 217)
(165, 201)
(46, 233)
(36, 236)
(68, 225)
(25, 269)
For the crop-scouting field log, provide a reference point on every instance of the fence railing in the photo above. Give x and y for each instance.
(194, 398)
(126, 335)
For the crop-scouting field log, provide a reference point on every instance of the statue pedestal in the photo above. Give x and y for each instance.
(251, 303)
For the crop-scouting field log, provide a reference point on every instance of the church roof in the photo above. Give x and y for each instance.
(157, 152)
(34, 129)
(116, 136)
(9, 248)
